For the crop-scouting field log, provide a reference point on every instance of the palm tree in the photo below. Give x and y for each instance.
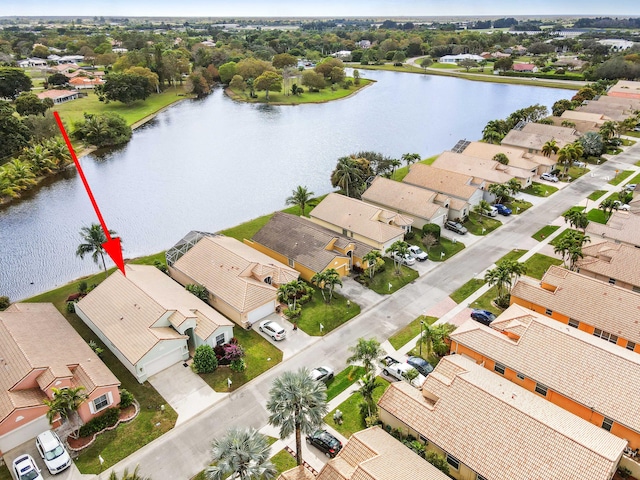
(346, 175)
(40, 158)
(410, 158)
(394, 163)
(608, 205)
(366, 352)
(492, 136)
(482, 208)
(20, 174)
(566, 156)
(319, 280)
(243, 453)
(577, 219)
(331, 279)
(513, 186)
(369, 384)
(570, 247)
(297, 404)
(398, 250)
(504, 276)
(372, 261)
(549, 148)
(93, 238)
(135, 475)
(300, 197)
(59, 151)
(499, 190)
(65, 402)
(501, 158)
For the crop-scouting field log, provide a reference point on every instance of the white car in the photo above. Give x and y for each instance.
(55, 456)
(273, 329)
(405, 259)
(322, 374)
(622, 206)
(548, 177)
(26, 469)
(417, 253)
(629, 187)
(579, 164)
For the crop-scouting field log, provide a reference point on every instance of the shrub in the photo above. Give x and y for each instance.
(126, 398)
(291, 313)
(238, 365)
(4, 302)
(160, 266)
(233, 352)
(108, 419)
(438, 461)
(409, 235)
(94, 346)
(204, 360)
(198, 290)
(71, 308)
(83, 287)
(433, 229)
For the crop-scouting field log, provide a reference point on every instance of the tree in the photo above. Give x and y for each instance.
(501, 158)
(434, 338)
(238, 83)
(569, 154)
(204, 359)
(410, 158)
(93, 238)
(197, 84)
(65, 402)
(268, 81)
(356, 77)
(398, 250)
(366, 352)
(513, 186)
(154, 78)
(609, 130)
(608, 205)
(102, 130)
(503, 64)
(569, 246)
(347, 176)
(42, 127)
(337, 75)
(499, 190)
(438, 461)
(30, 104)
(549, 148)
(592, 144)
(300, 197)
(41, 160)
(327, 280)
(228, 71)
(482, 208)
(503, 277)
(124, 87)
(426, 62)
(369, 383)
(325, 67)
(13, 81)
(561, 106)
(313, 80)
(468, 64)
(58, 79)
(135, 475)
(399, 58)
(199, 291)
(283, 60)
(243, 453)
(253, 67)
(373, 259)
(297, 404)
(14, 133)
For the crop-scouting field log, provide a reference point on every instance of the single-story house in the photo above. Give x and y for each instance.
(411, 201)
(490, 428)
(149, 321)
(621, 227)
(459, 58)
(525, 67)
(65, 68)
(536, 164)
(308, 247)
(611, 262)
(80, 83)
(59, 96)
(32, 62)
(361, 221)
(242, 282)
(39, 351)
(533, 136)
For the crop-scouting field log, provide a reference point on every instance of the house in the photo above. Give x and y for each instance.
(623, 227)
(414, 202)
(242, 282)
(80, 83)
(525, 67)
(519, 158)
(308, 247)
(598, 119)
(32, 62)
(615, 263)
(30, 369)
(598, 308)
(149, 321)
(59, 96)
(458, 58)
(616, 44)
(614, 108)
(361, 221)
(64, 68)
(516, 347)
(625, 89)
(533, 136)
(490, 428)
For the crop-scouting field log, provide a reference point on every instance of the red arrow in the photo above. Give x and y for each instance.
(112, 246)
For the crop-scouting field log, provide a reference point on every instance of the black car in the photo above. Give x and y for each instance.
(421, 365)
(455, 227)
(326, 442)
(483, 316)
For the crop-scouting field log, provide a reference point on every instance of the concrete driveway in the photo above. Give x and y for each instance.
(71, 473)
(295, 341)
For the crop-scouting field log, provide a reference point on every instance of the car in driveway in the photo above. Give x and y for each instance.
(421, 365)
(25, 468)
(455, 227)
(483, 316)
(322, 374)
(629, 187)
(549, 177)
(579, 164)
(417, 253)
(273, 329)
(55, 456)
(324, 441)
(405, 259)
(502, 210)
(621, 206)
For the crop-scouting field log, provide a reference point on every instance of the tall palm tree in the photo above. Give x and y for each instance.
(504, 276)
(243, 453)
(135, 475)
(369, 383)
(319, 280)
(410, 158)
(434, 336)
(331, 279)
(513, 186)
(499, 190)
(549, 148)
(372, 261)
(608, 205)
(346, 175)
(297, 404)
(65, 402)
(300, 197)
(398, 250)
(93, 237)
(577, 219)
(570, 247)
(366, 352)
(394, 163)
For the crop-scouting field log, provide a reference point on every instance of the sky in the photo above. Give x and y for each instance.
(315, 8)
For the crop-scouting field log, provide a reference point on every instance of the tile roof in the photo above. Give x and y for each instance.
(625, 88)
(53, 94)
(403, 197)
(24, 329)
(621, 226)
(373, 454)
(613, 260)
(297, 473)
(304, 241)
(572, 367)
(517, 157)
(500, 430)
(615, 112)
(597, 118)
(535, 135)
(594, 302)
(489, 170)
(441, 181)
(127, 309)
(234, 272)
(367, 220)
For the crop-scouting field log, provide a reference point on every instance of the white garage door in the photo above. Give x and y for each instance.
(23, 434)
(165, 361)
(260, 312)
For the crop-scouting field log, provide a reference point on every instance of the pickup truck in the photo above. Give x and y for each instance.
(398, 370)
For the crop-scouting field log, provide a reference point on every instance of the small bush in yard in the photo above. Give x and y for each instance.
(4, 302)
(238, 365)
(431, 228)
(204, 360)
(126, 398)
(108, 419)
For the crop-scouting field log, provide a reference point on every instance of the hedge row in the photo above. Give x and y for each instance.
(108, 419)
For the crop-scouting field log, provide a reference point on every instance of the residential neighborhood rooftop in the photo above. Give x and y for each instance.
(489, 170)
(402, 196)
(614, 260)
(517, 157)
(441, 181)
(621, 227)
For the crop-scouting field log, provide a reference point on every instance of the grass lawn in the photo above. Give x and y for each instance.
(409, 332)
(283, 461)
(343, 380)
(544, 232)
(446, 246)
(467, 290)
(260, 357)
(538, 264)
(577, 172)
(5, 474)
(484, 302)
(330, 315)
(388, 67)
(540, 190)
(597, 215)
(381, 281)
(596, 195)
(574, 209)
(627, 143)
(620, 177)
(512, 255)
(352, 420)
(445, 66)
(635, 179)
(71, 112)
(481, 225)
(518, 206)
(402, 172)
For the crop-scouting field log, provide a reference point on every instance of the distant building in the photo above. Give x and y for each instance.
(460, 57)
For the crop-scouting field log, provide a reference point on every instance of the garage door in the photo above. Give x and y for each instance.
(260, 312)
(165, 361)
(23, 434)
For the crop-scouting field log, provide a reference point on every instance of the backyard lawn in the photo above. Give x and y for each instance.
(410, 331)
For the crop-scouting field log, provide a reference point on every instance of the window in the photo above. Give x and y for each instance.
(520, 376)
(498, 367)
(612, 281)
(453, 461)
(609, 337)
(291, 263)
(574, 323)
(541, 389)
(548, 311)
(101, 402)
(220, 339)
(267, 280)
(631, 346)
(607, 424)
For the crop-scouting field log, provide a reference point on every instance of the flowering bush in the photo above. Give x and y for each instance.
(233, 351)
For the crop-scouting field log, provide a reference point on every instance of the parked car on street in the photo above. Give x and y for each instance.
(549, 177)
(455, 227)
(55, 456)
(273, 329)
(621, 206)
(322, 374)
(417, 253)
(25, 468)
(421, 365)
(502, 210)
(483, 316)
(325, 442)
(405, 259)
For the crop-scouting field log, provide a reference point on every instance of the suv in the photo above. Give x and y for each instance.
(455, 227)
(417, 253)
(502, 210)
(421, 365)
(273, 329)
(326, 442)
(55, 456)
(549, 177)
(405, 259)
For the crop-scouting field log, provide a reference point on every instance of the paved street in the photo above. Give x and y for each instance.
(184, 451)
